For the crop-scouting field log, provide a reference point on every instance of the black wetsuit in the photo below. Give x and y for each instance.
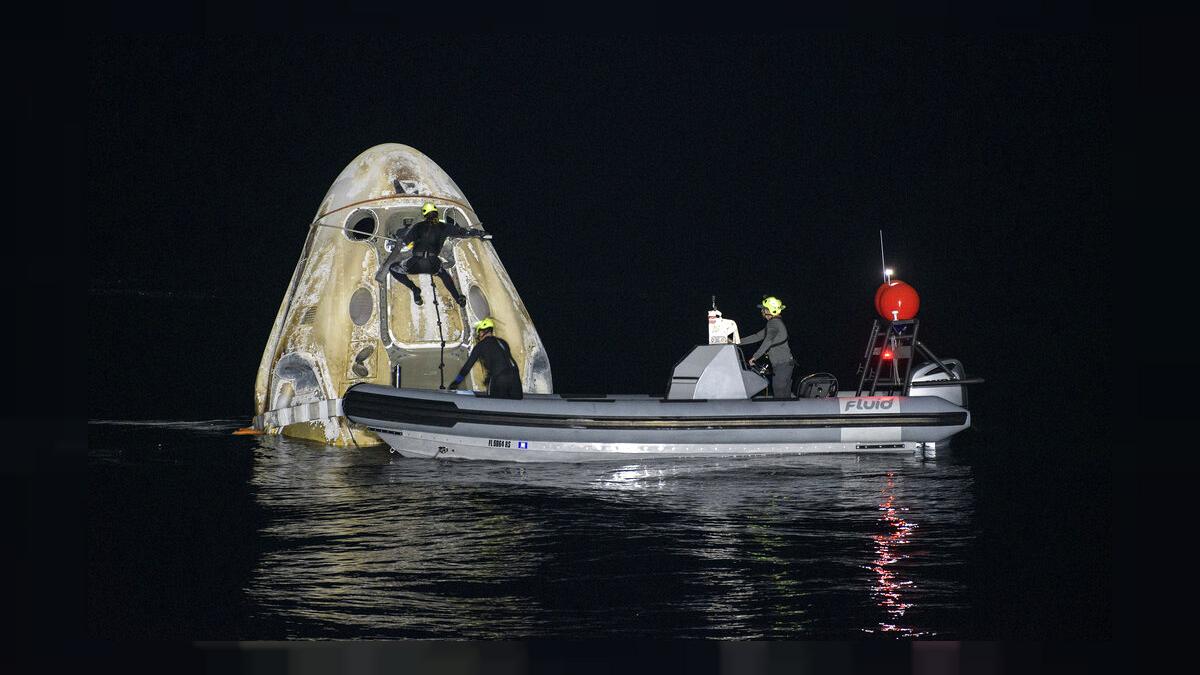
(774, 339)
(503, 380)
(427, 238)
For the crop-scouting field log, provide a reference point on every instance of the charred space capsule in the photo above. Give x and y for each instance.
(338, 325)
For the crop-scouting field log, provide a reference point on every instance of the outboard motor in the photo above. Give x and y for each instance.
(927, 379)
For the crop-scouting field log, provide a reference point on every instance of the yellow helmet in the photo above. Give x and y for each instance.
(427, 207)
(773, 305)
(485, 323)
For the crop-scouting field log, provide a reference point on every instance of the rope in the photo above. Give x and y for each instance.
(364, 235)
(417, 198)
(437, 310)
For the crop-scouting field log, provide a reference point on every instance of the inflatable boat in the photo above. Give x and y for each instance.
(712, 409)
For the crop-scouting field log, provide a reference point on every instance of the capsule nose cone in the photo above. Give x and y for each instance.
(386, 170)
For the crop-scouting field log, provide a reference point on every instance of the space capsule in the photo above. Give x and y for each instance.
(340, 325)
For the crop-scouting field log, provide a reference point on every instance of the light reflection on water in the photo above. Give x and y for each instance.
(362, 543)
(889, 547)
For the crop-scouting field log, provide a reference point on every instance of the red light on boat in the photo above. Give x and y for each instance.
(887, 354)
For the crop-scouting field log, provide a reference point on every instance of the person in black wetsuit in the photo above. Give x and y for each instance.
(426, 239)
(503, 380)
(774, 338)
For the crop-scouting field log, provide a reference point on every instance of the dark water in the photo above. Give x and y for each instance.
(193, 533)
(199, 534)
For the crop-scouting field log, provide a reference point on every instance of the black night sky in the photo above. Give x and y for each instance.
(625, 180)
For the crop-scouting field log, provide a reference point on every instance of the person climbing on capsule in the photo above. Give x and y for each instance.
(774, 338)
(503, 379)
(426, 239)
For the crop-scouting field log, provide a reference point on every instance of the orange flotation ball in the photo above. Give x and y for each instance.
(897, 296)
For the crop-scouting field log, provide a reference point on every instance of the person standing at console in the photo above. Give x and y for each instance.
(774, 338)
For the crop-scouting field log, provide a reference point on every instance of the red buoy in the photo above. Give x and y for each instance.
(897, 301)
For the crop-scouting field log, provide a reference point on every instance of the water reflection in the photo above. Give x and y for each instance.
(636, 477)
(889, 549)
(360, 543)
(352, 547)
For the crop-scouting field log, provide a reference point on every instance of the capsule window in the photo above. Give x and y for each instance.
(362, 226)
(479, 303)
(361, 367)
(362, 303)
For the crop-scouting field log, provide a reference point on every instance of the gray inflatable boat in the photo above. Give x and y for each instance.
(710, 411)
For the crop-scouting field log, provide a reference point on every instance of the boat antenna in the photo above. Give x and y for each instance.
(714, 300)
(887, 274)
(882, 260)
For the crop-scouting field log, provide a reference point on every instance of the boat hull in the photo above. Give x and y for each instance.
(423, 423)
(448, 446)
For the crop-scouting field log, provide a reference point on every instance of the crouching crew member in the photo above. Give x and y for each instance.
(503, 380)
(426, 239)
